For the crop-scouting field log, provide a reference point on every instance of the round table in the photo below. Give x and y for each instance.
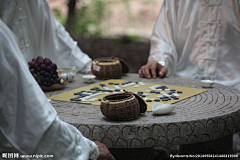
(203, 123)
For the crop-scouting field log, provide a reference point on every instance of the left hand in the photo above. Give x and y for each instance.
(104, 153)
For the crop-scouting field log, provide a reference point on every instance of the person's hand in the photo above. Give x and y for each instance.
(104, 153)
(152, 69)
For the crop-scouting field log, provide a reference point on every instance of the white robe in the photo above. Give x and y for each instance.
(28, 122)
(180, 40)
(40, 34)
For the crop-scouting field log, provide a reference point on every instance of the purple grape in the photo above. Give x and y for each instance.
(35, 66)
(38, 74)
(47, 79)
(48, 68)
(47, 62)
(39, 57)
(54, 76)
(34, 59)
(39, 61)
(43, 67)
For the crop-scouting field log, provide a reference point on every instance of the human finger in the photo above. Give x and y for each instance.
(153, 69)
(162, 70)
(140, 72)
(145, 70)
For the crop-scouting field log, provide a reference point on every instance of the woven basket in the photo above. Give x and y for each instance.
(122, 106)
(105, 68)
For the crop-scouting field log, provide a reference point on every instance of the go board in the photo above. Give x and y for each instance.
(93, 94)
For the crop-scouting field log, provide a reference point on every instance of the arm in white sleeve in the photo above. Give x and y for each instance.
(64, 141)
(163, 39)
(40, 34)
(27, 120)
(66, 50)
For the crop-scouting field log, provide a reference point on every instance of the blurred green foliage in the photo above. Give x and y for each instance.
(59, 16)
(89, 17)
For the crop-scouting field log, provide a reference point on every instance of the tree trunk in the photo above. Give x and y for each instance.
(71, 15)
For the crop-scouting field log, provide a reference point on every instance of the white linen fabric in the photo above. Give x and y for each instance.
(28, 122)
(40, 34)
(199, 39)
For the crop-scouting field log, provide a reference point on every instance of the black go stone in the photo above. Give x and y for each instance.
(157, 92)
(142, 95)
(176, 98)
(148, 100)
(152, 91)
(164, 99)
(173, 90)
(110, 83)
(156, 100)
(99, 99)
(179, 91)
(139, 93)
(116, 83)
(102, 84)
(117, 90)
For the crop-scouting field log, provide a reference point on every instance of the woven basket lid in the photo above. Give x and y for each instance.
(143, 105)
(125, 67)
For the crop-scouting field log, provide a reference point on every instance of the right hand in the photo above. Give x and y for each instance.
(152, 69)
(104, 153)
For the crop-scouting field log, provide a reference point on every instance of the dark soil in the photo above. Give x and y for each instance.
(134, 53)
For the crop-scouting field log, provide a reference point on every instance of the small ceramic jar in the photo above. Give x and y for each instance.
(67, 73)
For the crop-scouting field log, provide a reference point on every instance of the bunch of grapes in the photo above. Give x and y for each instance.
(44, 71)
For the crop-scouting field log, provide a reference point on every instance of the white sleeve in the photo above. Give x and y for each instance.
(163, 47)
(66, 50)
(64, 141)
(40, 34)
(27, 120)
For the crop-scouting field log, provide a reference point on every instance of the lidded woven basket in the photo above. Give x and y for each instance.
(122, 106)
(109, 67)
